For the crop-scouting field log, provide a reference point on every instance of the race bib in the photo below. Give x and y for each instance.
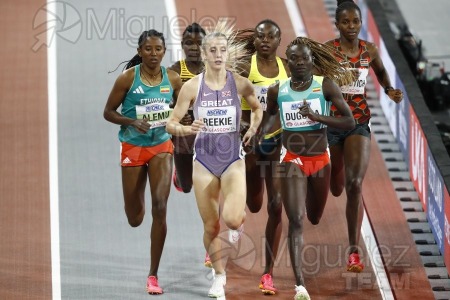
(359, 85)
(155, 114)
(261, 95)
(218, 119)
(292, 117)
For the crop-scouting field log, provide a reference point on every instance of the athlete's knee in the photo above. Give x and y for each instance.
(314, 219)
(135, 220)
(354, 185)
(255, 194)
(296, 222)
(337, 184)
(274, 206)
(186, 188)
(336, 189)
(212, 229)
(159, 209)
(233, 222)
(254, 203)
(233, 219)
(135, 216)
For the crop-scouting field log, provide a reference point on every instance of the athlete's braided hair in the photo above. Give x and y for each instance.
(325, 61)
(247, 36)
(236, 48)
(345, 4)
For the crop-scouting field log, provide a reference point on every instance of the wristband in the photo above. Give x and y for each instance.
(387, 89)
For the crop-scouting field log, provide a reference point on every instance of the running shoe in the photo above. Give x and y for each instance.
(153, 286)
(217, 289)
(266, 285)
(354, 264)
(208, 262)
(174, 180)
(301, 293)
(235, 235)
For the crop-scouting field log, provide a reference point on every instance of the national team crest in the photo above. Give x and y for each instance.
(164, 89)
(226, 94)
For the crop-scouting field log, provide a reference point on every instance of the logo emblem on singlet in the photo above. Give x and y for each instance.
(138, 90)
(256, 82)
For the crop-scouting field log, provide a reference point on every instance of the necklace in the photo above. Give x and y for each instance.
(154, 79)
(300, 84)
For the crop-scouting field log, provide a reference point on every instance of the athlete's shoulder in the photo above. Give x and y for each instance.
(371, 48)
(331, 42)
(238, 77)
(174, 79)
(175, 67)
(283, 60)
(127, 76)
(172, 74)
(129, 71)
(241, 80)
(283, 85)
(369, 45)
(193, 82)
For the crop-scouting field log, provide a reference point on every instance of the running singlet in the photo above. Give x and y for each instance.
(183, 144)
(150, 103)
(355, 94)
(185, 74)
(219, 144)
(289, 102)
(261, 83)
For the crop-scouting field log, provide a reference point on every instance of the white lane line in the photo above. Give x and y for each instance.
(174, 41)
(53, 149)
(375, 258)
(296, 17)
